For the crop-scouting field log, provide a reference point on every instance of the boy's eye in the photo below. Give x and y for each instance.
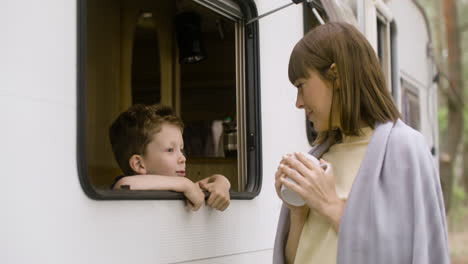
(170, 150)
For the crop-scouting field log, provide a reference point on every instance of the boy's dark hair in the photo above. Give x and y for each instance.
(133, 130)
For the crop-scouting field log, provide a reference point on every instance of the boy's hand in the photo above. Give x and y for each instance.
(195, 196)
(218, 186)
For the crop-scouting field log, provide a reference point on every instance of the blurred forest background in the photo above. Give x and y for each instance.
(448, 20)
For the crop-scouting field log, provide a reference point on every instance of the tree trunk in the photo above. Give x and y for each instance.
(455, 101)
(465, 167)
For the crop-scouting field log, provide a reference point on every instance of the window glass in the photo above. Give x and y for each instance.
(208, 99)
(146, 68)
(410, 105)
(384, 49)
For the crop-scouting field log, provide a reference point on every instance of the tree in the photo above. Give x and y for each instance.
(455, 93)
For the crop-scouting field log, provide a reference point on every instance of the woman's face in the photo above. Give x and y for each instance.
(315, 96)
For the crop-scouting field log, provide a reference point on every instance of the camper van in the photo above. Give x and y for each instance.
(68, 68)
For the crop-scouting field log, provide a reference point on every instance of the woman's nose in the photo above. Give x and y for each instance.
(299, 102)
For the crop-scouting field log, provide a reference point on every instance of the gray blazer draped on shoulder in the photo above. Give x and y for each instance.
(395, 212)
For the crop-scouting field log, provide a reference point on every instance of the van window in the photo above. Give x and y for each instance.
(196, 56)
(410, 104)
(384, 48)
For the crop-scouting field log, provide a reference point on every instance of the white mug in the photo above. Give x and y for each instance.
(290, 196)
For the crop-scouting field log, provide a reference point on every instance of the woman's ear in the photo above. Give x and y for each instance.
(137, 164)
(333, 71)
(333, 74)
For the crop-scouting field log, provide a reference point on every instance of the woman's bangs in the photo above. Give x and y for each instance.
(297, 68)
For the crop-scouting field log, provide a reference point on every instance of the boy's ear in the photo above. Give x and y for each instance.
(137, 164)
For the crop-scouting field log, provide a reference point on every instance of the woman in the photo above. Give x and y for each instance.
(394, 212)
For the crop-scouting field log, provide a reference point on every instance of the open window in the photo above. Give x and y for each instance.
(135, 52)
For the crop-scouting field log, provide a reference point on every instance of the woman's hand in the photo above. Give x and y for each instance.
(297, 216)
(279, 175)
(313, 184)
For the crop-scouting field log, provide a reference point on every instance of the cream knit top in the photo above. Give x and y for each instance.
(318, 241)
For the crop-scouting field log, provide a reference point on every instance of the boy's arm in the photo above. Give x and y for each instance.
(191, 190)
(218, 186)
(154, 182)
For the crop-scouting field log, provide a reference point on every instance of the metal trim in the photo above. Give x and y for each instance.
(227, 8)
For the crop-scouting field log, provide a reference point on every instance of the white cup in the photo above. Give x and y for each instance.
(290, 196)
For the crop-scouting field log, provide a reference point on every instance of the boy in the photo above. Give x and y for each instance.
(147, 143)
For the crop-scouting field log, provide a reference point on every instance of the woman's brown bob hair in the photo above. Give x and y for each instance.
(359, 81)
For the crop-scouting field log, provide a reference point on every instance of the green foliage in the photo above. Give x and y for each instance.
(459, 212)
(459, 195)
(462, 8)
(442, 113)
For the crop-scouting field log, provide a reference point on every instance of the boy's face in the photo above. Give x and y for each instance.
(164, 154)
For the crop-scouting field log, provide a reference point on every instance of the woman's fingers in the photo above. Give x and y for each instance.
(306, 167)
(278, 187)
(278, 174)
(306, 170)
(292, 174)
(292, 186)
(325, 165)
(309, 164)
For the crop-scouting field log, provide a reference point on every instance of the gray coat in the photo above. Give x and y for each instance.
(395, 212)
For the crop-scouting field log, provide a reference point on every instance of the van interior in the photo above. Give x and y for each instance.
(138, 52)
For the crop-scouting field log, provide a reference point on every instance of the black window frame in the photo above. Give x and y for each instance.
(252, 123)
